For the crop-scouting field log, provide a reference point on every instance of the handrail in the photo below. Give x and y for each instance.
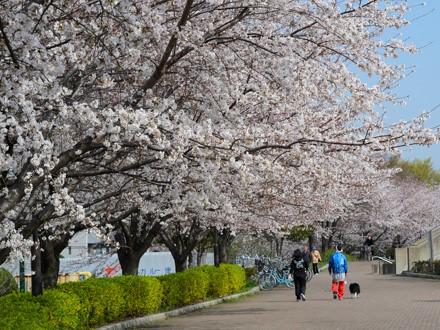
(383, 259)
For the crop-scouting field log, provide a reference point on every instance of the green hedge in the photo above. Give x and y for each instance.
(184, 288)
(7, 282)
(87, 304)
(326, 256)
(427, 267)
(199, 283)
(218, 281)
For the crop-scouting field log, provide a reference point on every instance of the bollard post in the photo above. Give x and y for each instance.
(21, 278)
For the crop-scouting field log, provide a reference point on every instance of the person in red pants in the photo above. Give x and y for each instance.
(337, 268)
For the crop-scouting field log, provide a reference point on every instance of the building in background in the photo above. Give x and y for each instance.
(83, 244)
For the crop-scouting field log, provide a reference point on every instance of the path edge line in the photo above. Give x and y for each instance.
(149, 319)
(420, 275)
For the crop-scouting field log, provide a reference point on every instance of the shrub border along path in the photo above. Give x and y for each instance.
(147, 320)
(150, 319)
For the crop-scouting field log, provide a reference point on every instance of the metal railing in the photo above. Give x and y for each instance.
(389, 261)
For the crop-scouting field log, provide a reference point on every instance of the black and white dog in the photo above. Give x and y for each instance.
(355, 289)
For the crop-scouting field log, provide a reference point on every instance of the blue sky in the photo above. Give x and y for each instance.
(422, 87)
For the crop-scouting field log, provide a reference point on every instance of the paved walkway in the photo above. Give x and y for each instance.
(386, 302)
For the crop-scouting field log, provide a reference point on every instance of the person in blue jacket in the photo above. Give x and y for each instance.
(337, 268)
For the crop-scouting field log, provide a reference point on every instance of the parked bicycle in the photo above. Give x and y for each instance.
(273, 273)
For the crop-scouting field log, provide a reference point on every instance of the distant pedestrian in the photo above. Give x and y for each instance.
(316, 258)
(337, 268)
(298, 268)
(306, 253)
(369, 247)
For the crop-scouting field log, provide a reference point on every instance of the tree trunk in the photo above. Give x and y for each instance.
(200, 252)
(134, 240)
(129, 260)
(216, 247)
(50, 261)
(190, 259)
(37, 278)
(277, 246)
(223, 253)
(324, 244)
(311, 241)
(4, 254)
(180, 261)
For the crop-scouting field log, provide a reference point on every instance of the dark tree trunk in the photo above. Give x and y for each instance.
(50, 260)
(4, 254)
(216, 254)
(279, 246)
(190, 259)
(134, 240)
(180, 261)
(129, 260)
(37, 278)
(311, 241)
(223, 242)
(216, 248)
(223, 249)
(324, 244)
(200, 252)
(182, 244)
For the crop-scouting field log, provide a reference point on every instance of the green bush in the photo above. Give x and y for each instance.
(250, 272)
(102, 300)
(427, 267)
(166, 283)
(7, 282)
(90, 303)
(22, 311)
(186, 288)
(62, 309)
(436, 267)
(237, 277)
(326, 256)
(142, 295)
(218, 281)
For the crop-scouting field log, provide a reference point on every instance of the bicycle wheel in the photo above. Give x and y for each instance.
(272, 281)
(266, 282)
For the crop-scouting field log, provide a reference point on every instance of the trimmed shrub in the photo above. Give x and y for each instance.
(185, 288)
(166, 283)
(218, 281)
(62, 309)
(326, 256)
(250, 272)
(237, 277)
(7, 282)
(142, 295)
(22, 311)
(436, 267)
(102, 300)
(90, 303)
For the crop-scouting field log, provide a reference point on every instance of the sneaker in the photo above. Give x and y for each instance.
(303, 297)
(298, 300)
(335, 296)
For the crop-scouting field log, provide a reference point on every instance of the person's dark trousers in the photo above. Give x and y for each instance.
(315, 269)
(300, 285)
